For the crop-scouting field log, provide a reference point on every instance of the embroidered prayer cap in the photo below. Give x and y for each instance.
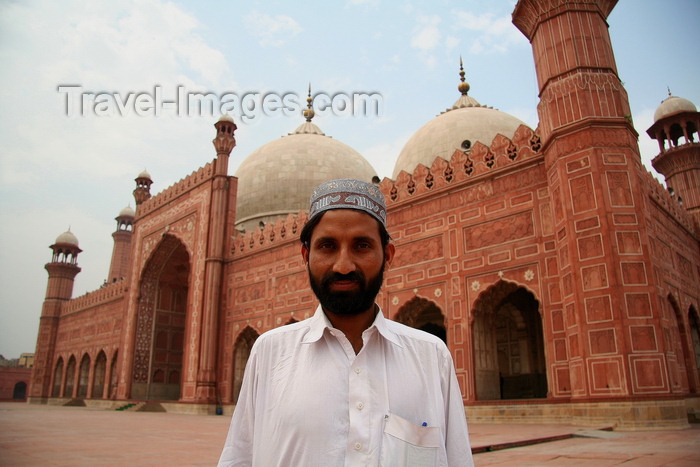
(348, 194)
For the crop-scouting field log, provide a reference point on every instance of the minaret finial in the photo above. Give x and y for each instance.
(669, 90)
(463, 86)
(309, 112)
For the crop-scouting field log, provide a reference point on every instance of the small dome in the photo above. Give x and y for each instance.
(67, 237)
(145, 174)
(673, 105)
(226, 118)
(127, 212)
(459, 128)
(277, 179)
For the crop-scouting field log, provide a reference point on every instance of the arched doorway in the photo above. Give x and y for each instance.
(20, 390)
(99, 378)
(423, 314)
(678, 343)
(241, 352)
(84, 376)
(113, 383)
(160, 333)
(508, 341)
(70, 377)
(57, 378)
(694, 324)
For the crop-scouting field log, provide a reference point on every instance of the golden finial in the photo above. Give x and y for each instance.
(463, 86)
(309, 112)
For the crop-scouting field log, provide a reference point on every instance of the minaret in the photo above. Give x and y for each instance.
(222, 185)
(676, 123)
(62, 271)
(596, 182)
(143, 187)
(121, 253)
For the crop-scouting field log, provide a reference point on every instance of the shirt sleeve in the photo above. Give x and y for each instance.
(238, 449)
(457, 445)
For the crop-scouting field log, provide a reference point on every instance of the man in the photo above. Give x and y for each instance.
(348, 387)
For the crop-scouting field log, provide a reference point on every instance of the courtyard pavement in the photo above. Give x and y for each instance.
(40, 435)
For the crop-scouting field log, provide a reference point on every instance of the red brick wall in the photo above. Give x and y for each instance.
(9, 378)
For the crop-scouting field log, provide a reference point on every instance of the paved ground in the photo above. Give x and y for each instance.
(32, 435)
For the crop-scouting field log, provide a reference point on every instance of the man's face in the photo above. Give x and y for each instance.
(346, 260)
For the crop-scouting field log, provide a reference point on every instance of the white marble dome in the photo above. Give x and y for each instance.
(127, 212)
(673, 105)
(144, 174)
(67, 237)
(277, 178)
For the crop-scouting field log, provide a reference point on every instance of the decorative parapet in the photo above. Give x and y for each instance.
(660, 195)
(463, 166)
(186, 184)
(273, 234)
(107, 293)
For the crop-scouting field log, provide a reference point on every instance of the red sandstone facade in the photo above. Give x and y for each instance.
(564, 278)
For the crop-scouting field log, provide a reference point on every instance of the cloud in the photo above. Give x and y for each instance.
(491, 34)
(51, 163)
(426, 35)
(271, 31)
(362, 3)
(122, 49)
(648, 148)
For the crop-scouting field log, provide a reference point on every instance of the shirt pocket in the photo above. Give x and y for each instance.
(405, 444)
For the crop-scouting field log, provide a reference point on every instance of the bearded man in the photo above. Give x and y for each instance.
(348, 387)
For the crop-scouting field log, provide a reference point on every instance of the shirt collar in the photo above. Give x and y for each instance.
(319, 322)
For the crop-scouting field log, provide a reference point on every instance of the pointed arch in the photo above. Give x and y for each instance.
(508, 339)
(160, 322)
(241, 352)
(421, 313)
(114, 378)
(84, 376)
(70, 377)
(57, 378)
(694, 327)
(99, 375)
(678, 352)
(20, 390)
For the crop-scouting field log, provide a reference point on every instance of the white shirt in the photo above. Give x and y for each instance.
(307, 400)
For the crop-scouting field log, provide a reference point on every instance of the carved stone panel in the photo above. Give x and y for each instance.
(515, 227)
(582, 194)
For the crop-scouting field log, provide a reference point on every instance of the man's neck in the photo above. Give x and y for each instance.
(353, 326)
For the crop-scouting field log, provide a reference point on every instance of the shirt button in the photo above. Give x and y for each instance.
(360, 405)
(357, 370)
(357, 446)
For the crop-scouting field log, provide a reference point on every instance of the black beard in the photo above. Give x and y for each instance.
(347, 303)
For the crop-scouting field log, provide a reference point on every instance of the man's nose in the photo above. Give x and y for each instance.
(344, 263)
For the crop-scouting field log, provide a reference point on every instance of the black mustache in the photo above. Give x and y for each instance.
(353, 276)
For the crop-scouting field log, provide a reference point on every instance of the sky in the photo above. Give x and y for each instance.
(88, 99)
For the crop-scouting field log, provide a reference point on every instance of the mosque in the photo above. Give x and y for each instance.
(563, 277)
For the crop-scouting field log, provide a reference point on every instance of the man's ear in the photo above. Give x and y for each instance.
(305, 253)
(389, 251)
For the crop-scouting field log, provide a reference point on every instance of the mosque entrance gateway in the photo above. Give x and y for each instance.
(508, 341)
(161, 321)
